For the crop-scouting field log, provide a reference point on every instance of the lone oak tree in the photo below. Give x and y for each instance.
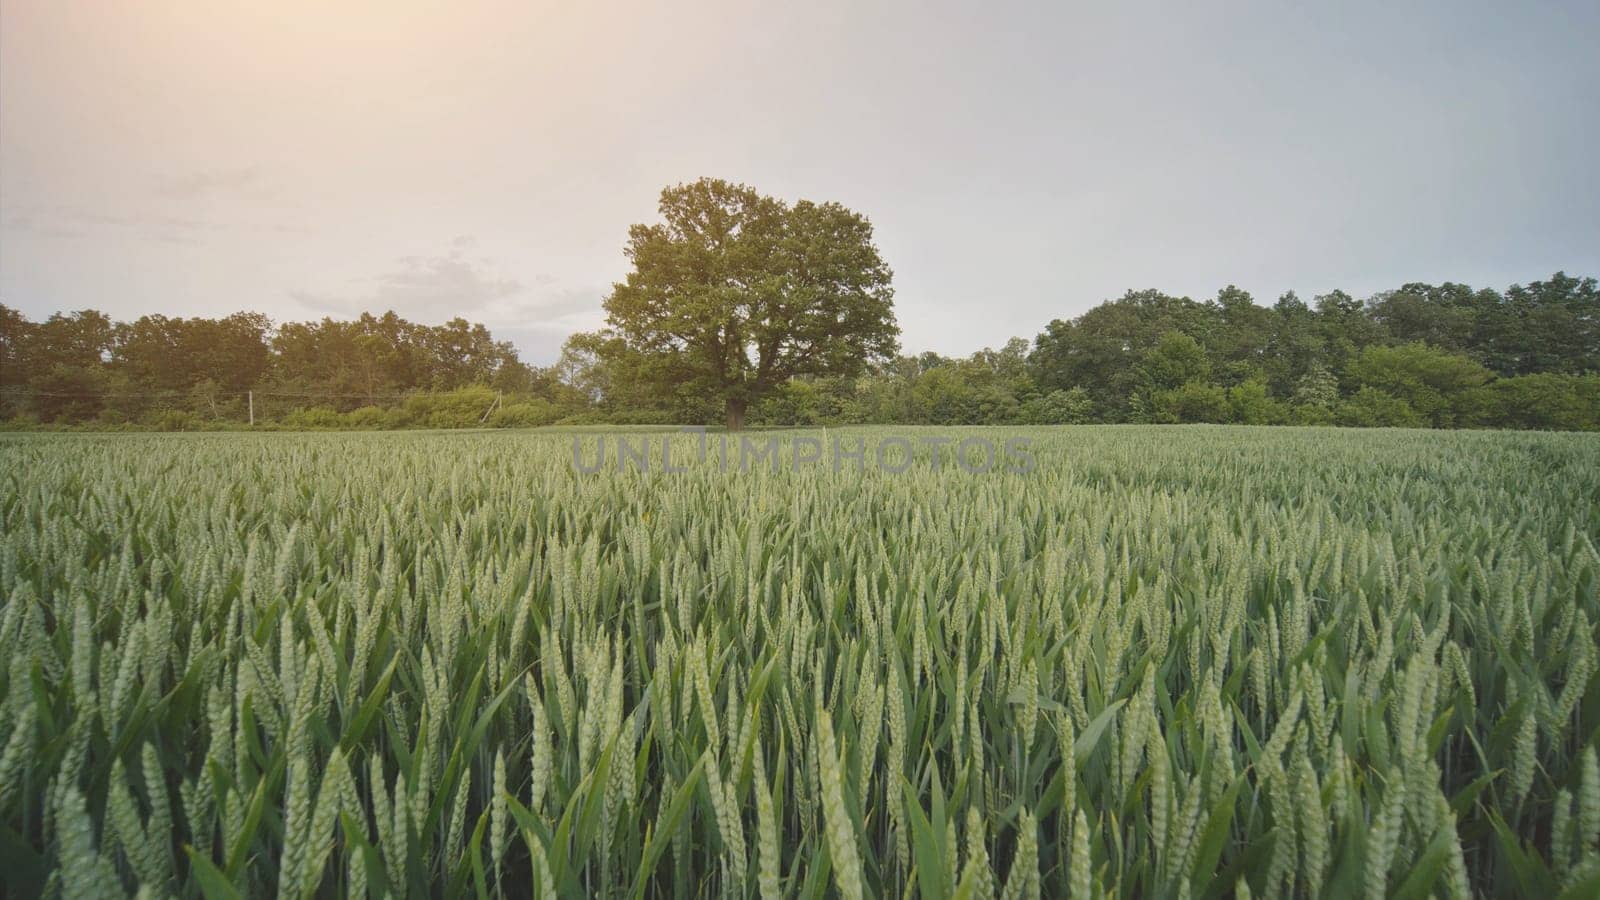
(735, 293)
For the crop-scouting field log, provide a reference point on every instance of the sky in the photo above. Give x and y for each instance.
(1020, 162)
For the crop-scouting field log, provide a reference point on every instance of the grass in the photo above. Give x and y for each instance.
(1162, 662)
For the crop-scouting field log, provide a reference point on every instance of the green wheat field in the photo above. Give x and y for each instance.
(1164, 662)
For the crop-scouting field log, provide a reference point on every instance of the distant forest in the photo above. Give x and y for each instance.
(1422, 355)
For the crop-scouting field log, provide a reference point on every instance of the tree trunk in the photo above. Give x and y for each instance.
(736, 413)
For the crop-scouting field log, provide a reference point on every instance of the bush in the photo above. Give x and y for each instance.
(314, 417)
(1069, 407)
(374, 417)
(1195, 401)
(642, 417)
(1548, 401)
(803, 402)
(1253, 406)
(962, 395)
(176, 420)
(531, 413)
(1310, 414)
(585, 418)
(463, 408)
(1372, 408)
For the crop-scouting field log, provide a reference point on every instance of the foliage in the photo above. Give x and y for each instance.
(462, 408)
(1563, 402)
(1317, 387)
(374, 417)
(805, 401)
(1252, 405)
(1454, 356)
(1313, 355)
(735, 293)
(1070, 407)
(947, 395)
(1443, 388)
(1372, 408)
(531, 413)
(315, 417)
(70, 368)
(1163, 662)
(1176, 360)
(1193, 401)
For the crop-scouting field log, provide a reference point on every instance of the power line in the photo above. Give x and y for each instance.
(175, 395)
(13, 392)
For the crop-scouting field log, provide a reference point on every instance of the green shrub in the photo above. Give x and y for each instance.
(1194, 401)
(1253, 406)
(1310, 414)
(531, 413)
(1070, 407)
(1445, 389)
(463, 408)
(1372, 408)
(1559, 402)
(373, 417)
(176, 420)
(314, 417)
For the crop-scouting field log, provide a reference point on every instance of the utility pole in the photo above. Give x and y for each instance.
(252, 395)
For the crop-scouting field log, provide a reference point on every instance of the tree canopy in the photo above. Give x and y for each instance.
(734, 293)
(1442, 356)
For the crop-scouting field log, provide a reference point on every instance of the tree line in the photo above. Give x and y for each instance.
(742, 307)
(83, 367)
(1419, 356)
(1441, 356)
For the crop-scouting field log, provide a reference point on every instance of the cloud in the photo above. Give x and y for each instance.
(425, 287)
(31, 223)
(433, 289)
(538, 346)
(199, 184)
(76, 222)
(158, 224)
(72, 222)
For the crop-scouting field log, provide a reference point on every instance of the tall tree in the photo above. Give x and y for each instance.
(735, 293)
(1101, 349)
(1238, 344)
(1295, 348)
(1441, 316)
(82, 339)
(1546, 326)
(15, 329)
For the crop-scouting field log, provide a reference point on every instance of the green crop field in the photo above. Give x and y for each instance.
(1174, 662)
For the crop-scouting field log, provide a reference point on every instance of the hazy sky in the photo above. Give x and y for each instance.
(1021, 162)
